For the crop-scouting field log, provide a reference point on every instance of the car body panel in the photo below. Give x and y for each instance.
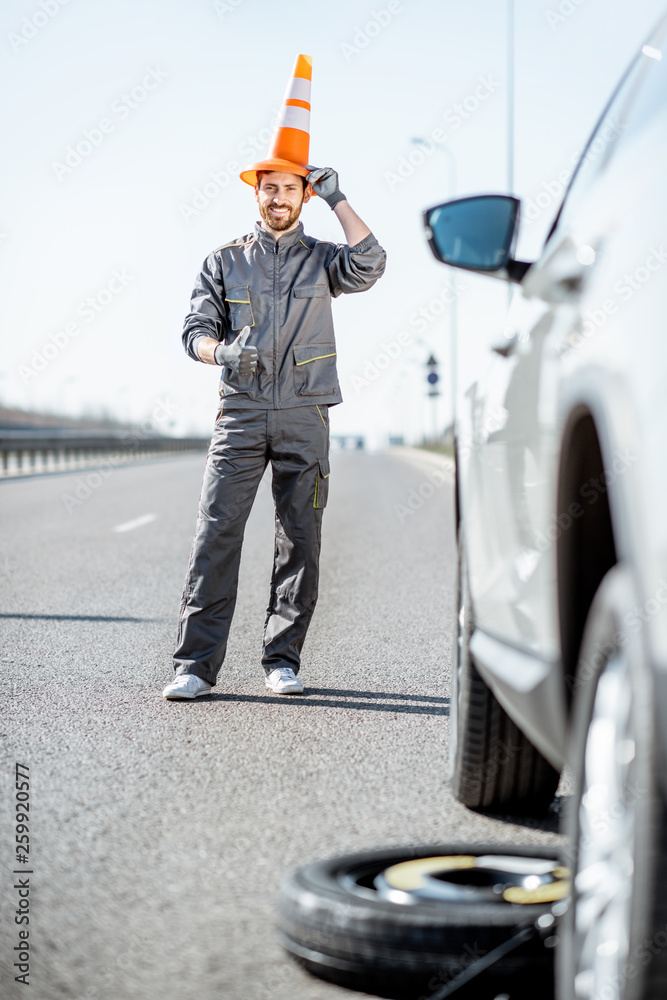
(586, 333)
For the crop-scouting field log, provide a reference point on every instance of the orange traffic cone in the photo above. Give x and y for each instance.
(290, 142)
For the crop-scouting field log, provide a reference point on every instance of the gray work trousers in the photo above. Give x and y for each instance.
(244, 441)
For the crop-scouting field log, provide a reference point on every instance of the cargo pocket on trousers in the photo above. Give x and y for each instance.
(322, 484)
(240, 307)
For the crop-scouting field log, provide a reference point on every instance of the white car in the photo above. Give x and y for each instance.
(561, 449)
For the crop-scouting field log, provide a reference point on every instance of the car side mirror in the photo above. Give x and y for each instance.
(477, 234)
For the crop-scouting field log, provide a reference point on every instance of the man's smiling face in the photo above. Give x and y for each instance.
(280, 197)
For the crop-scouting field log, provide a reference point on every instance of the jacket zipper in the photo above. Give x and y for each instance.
(275, 320)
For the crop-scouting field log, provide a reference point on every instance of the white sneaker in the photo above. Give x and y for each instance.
(283, 680)
(186, 686)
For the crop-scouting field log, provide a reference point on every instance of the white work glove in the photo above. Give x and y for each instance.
(236, 355)
(324, 182)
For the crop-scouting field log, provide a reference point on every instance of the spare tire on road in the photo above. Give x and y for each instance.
(402, 922)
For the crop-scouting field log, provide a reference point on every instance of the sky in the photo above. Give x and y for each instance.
(126, 123)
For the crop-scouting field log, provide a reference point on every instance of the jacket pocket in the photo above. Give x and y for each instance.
(310, 291)
(234, 383)
(322, 484)
(315, 370)
(240, 307)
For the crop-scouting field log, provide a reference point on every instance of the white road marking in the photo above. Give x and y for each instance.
(138, 522)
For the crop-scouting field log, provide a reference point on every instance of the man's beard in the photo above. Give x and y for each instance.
(280, 224)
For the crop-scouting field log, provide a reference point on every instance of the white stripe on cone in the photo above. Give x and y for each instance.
(298, 89)
(294, 117)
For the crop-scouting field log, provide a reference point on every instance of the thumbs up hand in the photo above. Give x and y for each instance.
(238, 356)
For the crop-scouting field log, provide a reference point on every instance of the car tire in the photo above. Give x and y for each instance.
(336, 924)
(614, 934)
(492, 765)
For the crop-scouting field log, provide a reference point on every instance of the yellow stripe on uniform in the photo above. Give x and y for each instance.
(318, 358)
(226, 246)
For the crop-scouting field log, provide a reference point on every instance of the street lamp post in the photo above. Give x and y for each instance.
(453, 310)
(510, 113)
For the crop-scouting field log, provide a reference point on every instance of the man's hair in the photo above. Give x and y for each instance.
(263, 173)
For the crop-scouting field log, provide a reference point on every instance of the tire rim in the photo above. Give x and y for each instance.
(457, 673)
(457, 878)
(473, 878)
(606, 839)
(360, 878)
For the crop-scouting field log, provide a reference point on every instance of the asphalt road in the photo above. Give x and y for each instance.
(160, 830)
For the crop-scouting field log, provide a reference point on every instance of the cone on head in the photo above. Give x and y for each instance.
(290, 143)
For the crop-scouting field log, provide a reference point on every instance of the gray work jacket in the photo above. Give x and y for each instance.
(283, 290)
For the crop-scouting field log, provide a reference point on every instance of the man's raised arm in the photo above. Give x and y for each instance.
(324, 182)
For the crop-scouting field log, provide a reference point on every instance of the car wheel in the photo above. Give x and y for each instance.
(492, 764)
(614, 935)
(402, 922)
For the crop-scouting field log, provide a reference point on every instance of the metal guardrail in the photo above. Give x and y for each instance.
(31, 452)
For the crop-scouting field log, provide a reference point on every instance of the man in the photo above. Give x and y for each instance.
(273, 287)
